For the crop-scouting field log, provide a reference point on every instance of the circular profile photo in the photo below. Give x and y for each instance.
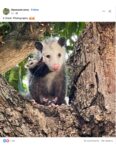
(6, 11)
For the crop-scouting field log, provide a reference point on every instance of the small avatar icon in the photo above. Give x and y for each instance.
(6, 11)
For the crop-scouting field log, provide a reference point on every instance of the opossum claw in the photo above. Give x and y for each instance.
(55, 100)
(45, 100)
(53, 105)
(33, 101)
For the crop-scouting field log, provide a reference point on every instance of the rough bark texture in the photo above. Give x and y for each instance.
(92, 94)
(19, 117)
(93, 63)
(10, 55)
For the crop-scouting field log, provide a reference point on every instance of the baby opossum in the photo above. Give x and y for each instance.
(47, 72)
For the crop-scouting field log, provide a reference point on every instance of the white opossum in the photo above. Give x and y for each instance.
(47, 72)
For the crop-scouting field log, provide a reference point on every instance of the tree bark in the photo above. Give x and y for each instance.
(91, 112)
(20, 118)
(93, 86)
(10, 56)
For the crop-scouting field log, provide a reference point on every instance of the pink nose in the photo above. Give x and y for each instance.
(56, 67)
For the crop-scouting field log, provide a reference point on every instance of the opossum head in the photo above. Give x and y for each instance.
(53, 53)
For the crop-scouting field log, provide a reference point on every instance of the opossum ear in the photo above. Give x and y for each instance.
(62, 41)
(38, 45)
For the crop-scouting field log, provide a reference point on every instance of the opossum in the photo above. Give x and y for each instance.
(47, 81)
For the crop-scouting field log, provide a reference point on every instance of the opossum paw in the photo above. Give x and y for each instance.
(45, 100)
(35, 104)
(48, 102)
(53, 101)
(32, 101)
(54, 105)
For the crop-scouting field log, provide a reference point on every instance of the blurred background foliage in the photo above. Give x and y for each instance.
(17, 76)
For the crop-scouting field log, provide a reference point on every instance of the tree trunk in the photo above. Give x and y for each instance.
(91, 113)
(20, 118)
(93, 87)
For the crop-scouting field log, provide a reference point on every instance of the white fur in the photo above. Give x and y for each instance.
(49, 78)
(52, 48)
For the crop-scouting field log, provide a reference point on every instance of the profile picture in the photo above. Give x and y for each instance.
(6, 11)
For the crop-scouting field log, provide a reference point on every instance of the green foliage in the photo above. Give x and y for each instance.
(68, 30)
(15, 77)
(5, 28)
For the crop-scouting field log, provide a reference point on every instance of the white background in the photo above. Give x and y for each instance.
(59, 143)
(65, 10)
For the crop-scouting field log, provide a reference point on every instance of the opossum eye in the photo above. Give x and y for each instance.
(59, 55)
(48, 56)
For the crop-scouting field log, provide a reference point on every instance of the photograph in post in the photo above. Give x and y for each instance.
(57, 79)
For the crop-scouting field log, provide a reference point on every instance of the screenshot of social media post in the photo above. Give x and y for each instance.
(57, 79)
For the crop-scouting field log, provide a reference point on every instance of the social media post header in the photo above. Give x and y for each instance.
(62, 10)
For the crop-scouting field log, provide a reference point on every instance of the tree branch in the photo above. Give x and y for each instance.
(10, 55)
